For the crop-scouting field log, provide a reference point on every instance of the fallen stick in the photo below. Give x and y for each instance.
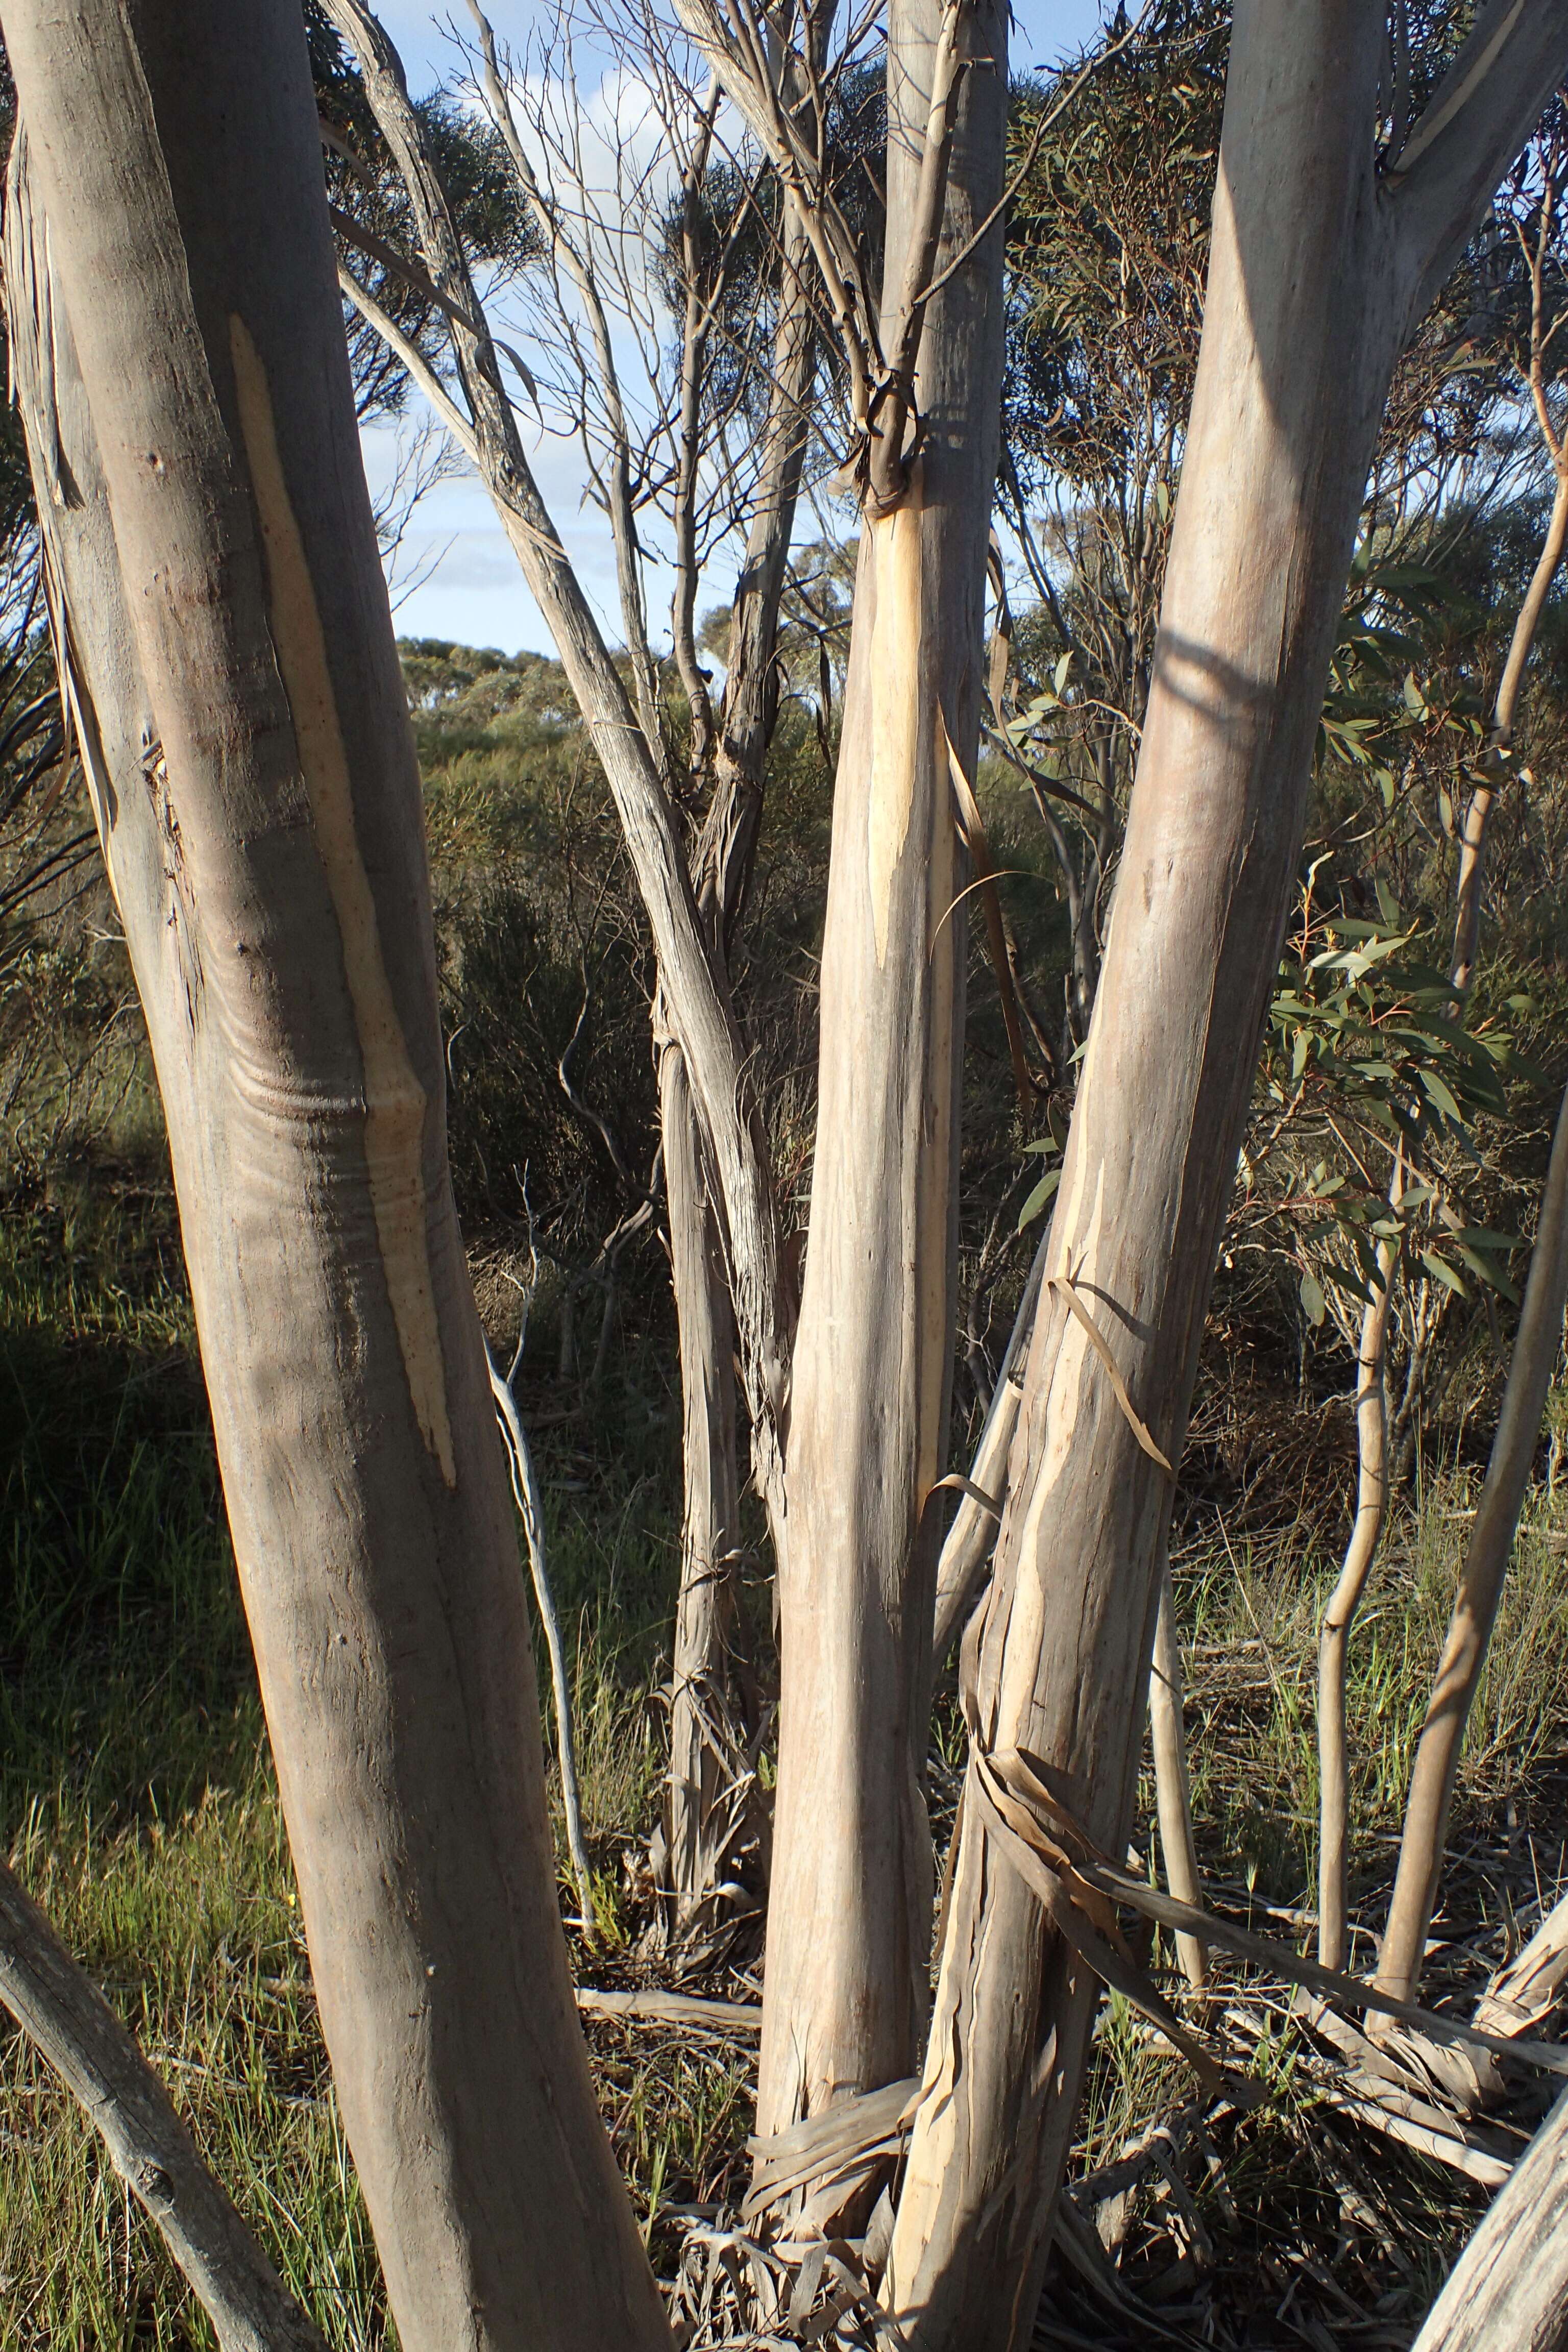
(673, 2009)
(61, 2010)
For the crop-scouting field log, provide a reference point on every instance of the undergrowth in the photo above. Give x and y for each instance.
(137, 1802)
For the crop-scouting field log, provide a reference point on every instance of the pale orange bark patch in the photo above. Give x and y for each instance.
(895, 703)
(394, 1101)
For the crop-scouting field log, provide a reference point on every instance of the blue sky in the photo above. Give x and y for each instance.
(469, 589)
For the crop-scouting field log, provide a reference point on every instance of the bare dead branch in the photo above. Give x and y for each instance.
(62, 2012)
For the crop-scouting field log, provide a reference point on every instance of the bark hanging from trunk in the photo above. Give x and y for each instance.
(1316, 275)
(849, 1925)
(180, 355)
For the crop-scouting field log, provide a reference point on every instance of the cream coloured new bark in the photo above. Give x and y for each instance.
(1320, 264)
(1334, 1640)
(227, 651)
(849, 1917)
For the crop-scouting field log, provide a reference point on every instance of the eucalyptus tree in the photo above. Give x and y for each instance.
(1336, 220)
(847, 1415)
(226, 657)
(732, 275)
(1529, 216)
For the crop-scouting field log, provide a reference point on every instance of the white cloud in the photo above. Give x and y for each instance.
(474, 591)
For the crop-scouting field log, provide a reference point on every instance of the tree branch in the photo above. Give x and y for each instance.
(1478, 120)
(62, 2012)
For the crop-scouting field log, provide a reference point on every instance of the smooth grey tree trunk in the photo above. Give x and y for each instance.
(1334, 1640)
(1509, 2290)
(1318, 269)
(1172, 1782)
(227, 650)
(844, 1994)
(706, 1753)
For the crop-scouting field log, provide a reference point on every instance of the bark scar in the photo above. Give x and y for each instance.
(895, 703)
(394, 1101)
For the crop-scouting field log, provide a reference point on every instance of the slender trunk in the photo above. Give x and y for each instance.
(530, 1504)
(849, 1924)
(1333, 1642)
(1316, 276)
(1509, 2290)
(1473, 832)
(1535, 1351)
(1172, 1789)
(696, 992)
(706, 1728)
(706, 1743)
(727, 851)
(972, 1539)
(226, 647)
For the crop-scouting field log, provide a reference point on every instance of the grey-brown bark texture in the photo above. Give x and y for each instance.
(708, 1716)
(1319, 267)
(849, 1923)
(1509, 2290)
(704, 1746)
(68, 2018)
(242, 720)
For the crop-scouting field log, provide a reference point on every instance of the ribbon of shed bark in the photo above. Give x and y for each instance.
(1051, 1845)
(1067, 1285)
(1085, 1919)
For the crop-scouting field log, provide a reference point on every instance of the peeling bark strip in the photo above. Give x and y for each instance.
(286, 964)
(394, 1101)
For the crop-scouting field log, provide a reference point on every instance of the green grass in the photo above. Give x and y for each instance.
(1252, 1615)
(138, 1802)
